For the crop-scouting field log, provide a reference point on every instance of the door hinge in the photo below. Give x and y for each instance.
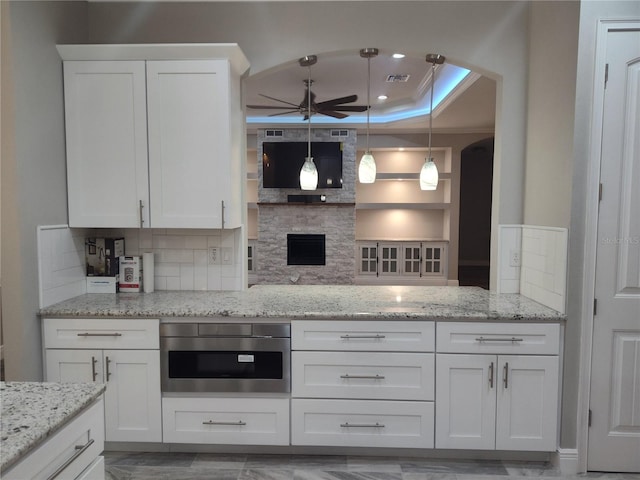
(606, 75)
(595, 306)
(590, 416)
(600, 193)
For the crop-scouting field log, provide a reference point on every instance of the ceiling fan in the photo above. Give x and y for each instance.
(332, 108)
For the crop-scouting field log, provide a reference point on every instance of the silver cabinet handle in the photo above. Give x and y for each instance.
(347, 337)
(94, 374)
(505, 373)
(80, 449)
(491, 375)
(107, 362)
(141, 214)
(87, 334)
(211, 422)
(512, 339)
(222, 213)
(362, 425)
(372, 377)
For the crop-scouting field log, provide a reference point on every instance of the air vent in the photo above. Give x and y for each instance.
(274, 133)
(339, 133)
(398, 78)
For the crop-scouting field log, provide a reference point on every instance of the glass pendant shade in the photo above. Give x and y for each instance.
(308, 175)
(429, 175)
(367, 169)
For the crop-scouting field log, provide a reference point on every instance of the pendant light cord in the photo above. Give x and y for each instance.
(368, 97)
(433, 85)
(309, 114)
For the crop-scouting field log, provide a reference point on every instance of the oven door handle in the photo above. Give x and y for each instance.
(212, 422)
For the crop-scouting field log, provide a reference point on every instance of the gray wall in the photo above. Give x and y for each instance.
(33, 169)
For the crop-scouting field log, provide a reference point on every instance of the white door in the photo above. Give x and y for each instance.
(466, 401)
(106, 130)
(189, 143)
(132, 399)
(71, 366)
(527, 408)
(614, 436)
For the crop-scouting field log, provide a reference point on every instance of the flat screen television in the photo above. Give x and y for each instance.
(282, 161)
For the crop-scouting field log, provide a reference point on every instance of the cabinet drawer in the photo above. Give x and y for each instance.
(499, 338)
(380, 376)
(250, 421)
(101, 333)
(357, 423)
(363, 336)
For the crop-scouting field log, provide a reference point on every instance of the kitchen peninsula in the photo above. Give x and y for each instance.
(359, 366)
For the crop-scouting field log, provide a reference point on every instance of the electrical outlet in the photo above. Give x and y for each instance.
(227, 255)
(214, 255)
(514, 258)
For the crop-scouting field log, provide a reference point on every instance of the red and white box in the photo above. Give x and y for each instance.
(131, 274)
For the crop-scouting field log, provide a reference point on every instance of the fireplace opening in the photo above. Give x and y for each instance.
(305, 249)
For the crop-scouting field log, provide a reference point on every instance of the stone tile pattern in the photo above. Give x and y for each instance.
(358, 302)
(337, 222)
(32, 411)
(211, 466)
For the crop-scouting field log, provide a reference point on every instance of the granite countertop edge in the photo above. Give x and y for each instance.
(34, 411)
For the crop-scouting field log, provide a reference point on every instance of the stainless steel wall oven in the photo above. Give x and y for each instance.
(225, 357)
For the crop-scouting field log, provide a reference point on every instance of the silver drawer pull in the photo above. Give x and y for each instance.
(347, 337)
(362, 425)
(211, 422)
(371, 377)
(80, 449)
(512, 339)
(87, 334)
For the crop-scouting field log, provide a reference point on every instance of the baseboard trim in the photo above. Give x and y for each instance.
(566, 460)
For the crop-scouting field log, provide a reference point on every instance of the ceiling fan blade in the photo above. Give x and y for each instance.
(278, 100)
(333, 114)
(284, 113)
(336, 101)
(269, 107)
(350, 108)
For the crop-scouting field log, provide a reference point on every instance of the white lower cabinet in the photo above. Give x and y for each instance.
(247, 421)
(79, 351)
(496, 401)
(362, 423)
(72, 453)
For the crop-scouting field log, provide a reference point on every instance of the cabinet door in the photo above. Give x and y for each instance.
(106, 130)
(132, 398)
(190, 156)
(465, 401)
(527, 412)
(70, 366)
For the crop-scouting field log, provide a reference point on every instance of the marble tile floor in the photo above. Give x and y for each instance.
(207, 466)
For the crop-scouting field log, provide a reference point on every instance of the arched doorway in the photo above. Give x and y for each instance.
(476, 177)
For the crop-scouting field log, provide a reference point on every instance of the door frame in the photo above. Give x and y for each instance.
(591, 233)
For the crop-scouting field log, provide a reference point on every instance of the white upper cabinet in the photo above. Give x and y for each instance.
(156, 142)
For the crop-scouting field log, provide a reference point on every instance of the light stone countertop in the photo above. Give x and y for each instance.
(313, 302)
(32, 411)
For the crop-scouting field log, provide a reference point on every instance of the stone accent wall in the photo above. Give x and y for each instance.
(336, 222)
(335, 219)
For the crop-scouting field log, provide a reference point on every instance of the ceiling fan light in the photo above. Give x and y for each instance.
(308, 175)
(367, 169)
(429, 175)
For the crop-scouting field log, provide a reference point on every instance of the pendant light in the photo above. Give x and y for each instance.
(429, 171)
(367, 168)
(308, 172)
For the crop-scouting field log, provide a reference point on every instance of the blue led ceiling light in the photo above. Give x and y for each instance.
(449, 78)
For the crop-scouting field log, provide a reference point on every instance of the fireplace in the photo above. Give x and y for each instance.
(305, 249)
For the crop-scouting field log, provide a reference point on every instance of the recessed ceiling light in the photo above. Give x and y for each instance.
(382, 97)
(398, 55)
(401, 149)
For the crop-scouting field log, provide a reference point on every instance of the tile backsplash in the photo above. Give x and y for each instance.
(184, 259)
